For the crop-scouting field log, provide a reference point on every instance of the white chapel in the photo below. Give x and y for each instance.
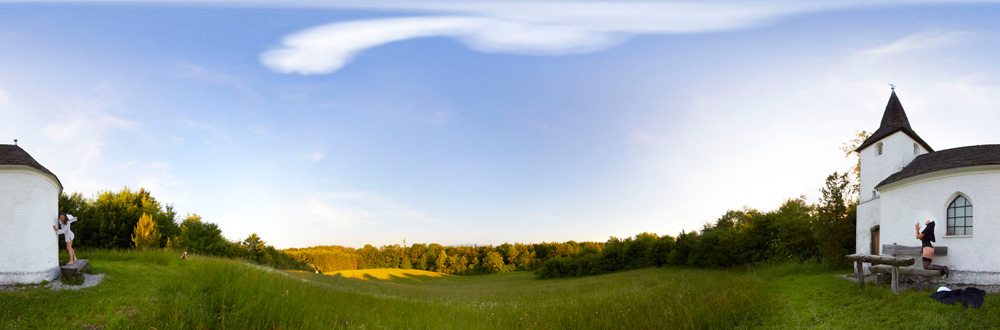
(29, 205)
(904, 182)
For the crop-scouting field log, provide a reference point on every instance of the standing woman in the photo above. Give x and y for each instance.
(64, 221)
(926, 237)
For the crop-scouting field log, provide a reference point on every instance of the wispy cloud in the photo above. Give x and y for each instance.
(158, 177)
(314, 157)
(515, 27)
(4, 96)
(341, 209)
(920, 41)
(327, 48)
(538, 28)
(85, 126)
(201, 73)
(215, 132)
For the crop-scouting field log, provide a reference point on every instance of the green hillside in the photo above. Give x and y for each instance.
(144, 290)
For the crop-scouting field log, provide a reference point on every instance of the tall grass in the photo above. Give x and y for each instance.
(157, 289)
(813, 297)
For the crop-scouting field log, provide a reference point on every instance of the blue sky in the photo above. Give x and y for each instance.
(480, 122)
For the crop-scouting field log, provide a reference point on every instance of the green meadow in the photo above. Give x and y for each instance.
(157, 290)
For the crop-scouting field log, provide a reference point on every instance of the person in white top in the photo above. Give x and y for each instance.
(64, 221)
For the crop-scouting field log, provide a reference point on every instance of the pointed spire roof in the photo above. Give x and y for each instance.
(13, 155)
(893, 120)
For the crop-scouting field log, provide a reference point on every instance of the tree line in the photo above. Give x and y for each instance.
(459, 260)
(795, 232)
(129, 219)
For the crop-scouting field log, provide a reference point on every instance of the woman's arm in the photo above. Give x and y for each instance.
(919, 235)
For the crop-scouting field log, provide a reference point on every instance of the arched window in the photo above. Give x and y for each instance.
(960, 217)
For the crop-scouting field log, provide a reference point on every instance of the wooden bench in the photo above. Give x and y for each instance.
(894, 249)
(890, 264)
(894, 262)
(884, 269)
(76, 268)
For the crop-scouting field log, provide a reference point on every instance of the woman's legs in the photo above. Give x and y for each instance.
(927, 265)
(72, 254)
(928, 254)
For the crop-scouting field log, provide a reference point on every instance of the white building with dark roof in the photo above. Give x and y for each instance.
(905, 182)
(29, 206)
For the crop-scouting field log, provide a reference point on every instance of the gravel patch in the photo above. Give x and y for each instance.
(89, 280)
(10, 288)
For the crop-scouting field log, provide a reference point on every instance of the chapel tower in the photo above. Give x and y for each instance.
(889, 149)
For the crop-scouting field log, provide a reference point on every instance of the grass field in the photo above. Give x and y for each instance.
(144, 290)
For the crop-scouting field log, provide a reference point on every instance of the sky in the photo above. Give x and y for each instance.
(480, 122)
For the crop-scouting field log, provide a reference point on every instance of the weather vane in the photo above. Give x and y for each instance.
(892, 87)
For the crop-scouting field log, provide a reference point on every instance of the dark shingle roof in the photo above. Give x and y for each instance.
(945, 159)
(893, 120)
(13, 155)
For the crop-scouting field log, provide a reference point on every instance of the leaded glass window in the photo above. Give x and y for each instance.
(960, 217)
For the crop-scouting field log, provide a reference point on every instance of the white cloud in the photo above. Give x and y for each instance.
(550, 28)
(201, 73)
(338, 216)
(215, 133)
(85, 132)
(86, 141)
(314, 157)
(919, 41)
(327, 48)
(157, 177)
(539, 28)
(519, 27)
(4, 96)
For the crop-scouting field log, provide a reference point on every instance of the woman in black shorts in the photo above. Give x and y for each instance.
(926, 237)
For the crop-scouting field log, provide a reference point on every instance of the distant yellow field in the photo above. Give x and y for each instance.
(386, 273)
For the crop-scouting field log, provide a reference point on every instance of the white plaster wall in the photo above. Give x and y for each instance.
(897, 152)
(29, 206)
(868, 217)
(914, 200)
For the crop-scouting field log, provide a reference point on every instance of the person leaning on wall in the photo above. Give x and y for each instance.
(64, 223)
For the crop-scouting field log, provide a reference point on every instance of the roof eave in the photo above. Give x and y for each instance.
(909, 132)
(32, 169)
(883, 186)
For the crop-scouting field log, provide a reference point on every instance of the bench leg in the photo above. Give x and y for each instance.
(859, 268)
(895, 280)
